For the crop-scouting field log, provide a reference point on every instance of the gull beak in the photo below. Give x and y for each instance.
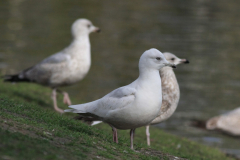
(184, 61)
(171, 65)
(98, 30)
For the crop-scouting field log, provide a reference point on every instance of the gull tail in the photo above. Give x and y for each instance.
(84, 113)
(71, 110)
(80, 108)
(90, 119)
(21, 77)
(15, 78)
(95, 123)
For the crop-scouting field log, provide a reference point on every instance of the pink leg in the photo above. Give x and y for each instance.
(115, 137)
(132, 131)
(54, 97)
(148, 135)
(66, 99)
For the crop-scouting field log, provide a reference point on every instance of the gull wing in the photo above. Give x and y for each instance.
(115, 100)
(56, 58)
(43, 71)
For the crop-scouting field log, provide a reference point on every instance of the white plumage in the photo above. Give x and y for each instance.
(133, 105)
(170, 92)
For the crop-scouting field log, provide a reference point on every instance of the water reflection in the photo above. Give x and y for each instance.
(205, 32)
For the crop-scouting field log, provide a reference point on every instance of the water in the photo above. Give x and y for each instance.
(206, 33)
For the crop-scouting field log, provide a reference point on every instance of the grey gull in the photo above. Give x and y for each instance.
(65, 67)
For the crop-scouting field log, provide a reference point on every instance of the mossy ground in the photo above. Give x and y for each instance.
(30, 129)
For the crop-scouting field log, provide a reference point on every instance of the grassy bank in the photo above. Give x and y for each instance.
(30, 129)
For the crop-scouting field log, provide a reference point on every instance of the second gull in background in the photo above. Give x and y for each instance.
(170, 91)
(65, 67)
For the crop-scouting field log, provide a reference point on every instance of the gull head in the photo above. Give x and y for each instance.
(83, 27)
(154, 59)
(174, 59)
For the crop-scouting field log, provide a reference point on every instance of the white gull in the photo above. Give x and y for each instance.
(133, 105)
(65, 67)
(170, 93)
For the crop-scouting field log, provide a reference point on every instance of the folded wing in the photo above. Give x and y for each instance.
(115, 100)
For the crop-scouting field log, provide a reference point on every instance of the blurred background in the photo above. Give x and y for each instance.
(205, 32)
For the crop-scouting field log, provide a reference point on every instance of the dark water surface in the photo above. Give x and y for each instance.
(207, 33)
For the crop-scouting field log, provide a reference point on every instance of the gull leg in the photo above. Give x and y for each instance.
(148, 135)
(66, 98)
(132, 131)
(115, 137)
(54, 97)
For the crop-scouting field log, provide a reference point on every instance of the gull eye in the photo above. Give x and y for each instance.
(158, 58)
(173, 59)
(88, 25)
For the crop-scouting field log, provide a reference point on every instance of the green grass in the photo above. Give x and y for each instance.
(25, 147)
(30, 129)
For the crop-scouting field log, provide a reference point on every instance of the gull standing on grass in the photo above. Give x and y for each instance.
(133, 105)
(65, 67)
(170, 92)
